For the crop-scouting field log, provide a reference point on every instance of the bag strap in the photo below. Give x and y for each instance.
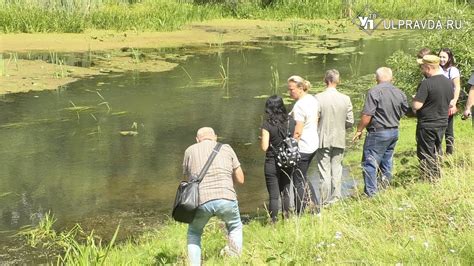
(282, 133)
(281, 130)
(209, 161)
(288, 128)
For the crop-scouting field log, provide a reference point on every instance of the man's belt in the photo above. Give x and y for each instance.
(377, 129)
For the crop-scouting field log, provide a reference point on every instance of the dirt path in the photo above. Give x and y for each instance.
(25, 75)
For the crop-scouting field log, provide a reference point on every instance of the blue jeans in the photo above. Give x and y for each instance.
(226, 210)
(377, 158)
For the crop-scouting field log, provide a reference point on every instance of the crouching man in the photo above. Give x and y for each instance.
(217, 195)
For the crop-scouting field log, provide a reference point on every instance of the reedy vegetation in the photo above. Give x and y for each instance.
(167, 15)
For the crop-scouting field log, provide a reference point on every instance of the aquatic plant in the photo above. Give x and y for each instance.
(52, 57)
(77, 109)
(98, 130)
(4, 194)
(355, 65)
(220, 40)
(92, 252)
(104, 102)
(3, 69)
(294, 28)
(187, 74)
(132, 132)
(61, 73)
(74, 252)
(89, 55)
(275, 82)
(136, 55)
(41, 233)
(224, 72)
(13, 57)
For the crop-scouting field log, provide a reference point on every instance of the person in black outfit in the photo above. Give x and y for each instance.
(431, 104)
(275, 128)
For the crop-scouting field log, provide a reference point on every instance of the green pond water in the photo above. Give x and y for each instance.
(62, 151)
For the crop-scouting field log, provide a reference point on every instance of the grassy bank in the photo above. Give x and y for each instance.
(412, 222)
(166, 15)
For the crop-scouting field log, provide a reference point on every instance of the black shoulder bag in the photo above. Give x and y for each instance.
(187, 196)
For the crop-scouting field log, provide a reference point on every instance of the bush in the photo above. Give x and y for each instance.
(406, 72)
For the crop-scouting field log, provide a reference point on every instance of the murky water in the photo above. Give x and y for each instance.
(62, 151)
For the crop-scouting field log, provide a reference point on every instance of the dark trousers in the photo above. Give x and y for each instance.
(278, 185)
(450, 135)
(428, 149)
(304, 191)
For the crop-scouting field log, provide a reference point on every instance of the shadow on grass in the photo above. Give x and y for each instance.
(407, 170)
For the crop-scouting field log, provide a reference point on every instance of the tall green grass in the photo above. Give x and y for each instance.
(166, 15)
(333, 9)
(93, 252)
(160, 15)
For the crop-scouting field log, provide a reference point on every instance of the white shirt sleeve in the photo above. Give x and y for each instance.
(454, 73)
(298, 113)
(318, 109)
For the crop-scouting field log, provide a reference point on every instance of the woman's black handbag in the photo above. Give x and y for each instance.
(187, 196)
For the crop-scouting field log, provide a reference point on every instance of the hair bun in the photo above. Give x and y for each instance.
(307, 85)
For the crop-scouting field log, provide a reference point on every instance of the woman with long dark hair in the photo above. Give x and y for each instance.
(276, 126)
(447, 64)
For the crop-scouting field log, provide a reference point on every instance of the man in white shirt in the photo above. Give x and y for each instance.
(305, 113)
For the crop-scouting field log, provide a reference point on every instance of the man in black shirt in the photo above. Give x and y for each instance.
(431, 104)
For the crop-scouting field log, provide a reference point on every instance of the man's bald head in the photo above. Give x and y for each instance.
(205, 133)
